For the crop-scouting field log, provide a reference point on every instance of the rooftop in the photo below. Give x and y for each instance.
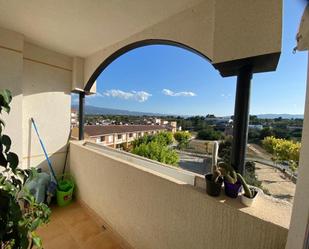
(97, 130)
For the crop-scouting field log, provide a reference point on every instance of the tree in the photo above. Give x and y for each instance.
(254, 135)
(225, 149)
(163, 138)
(254, 120)
(157, 152)
(283, 150)
(209, 133)
(183, 138)
(266, 132)
(155, 147)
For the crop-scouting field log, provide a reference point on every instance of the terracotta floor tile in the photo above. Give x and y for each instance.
(72, 227)
(64, 241)
(74, 217)
(53, 229)
(103, 240)
(85, 230)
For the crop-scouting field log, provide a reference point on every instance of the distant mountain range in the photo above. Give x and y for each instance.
(284, 116)
(95, 110)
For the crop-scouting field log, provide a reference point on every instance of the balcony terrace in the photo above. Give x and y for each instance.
(164, 207)
(48, 51)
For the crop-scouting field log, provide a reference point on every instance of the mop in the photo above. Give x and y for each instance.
(53, 184)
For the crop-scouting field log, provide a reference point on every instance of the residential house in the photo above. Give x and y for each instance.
(117, 136)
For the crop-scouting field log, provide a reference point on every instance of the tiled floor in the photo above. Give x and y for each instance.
(72, 227)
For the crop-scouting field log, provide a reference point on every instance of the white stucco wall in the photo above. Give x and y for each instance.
(11, 68)
(221, 30)
(300, 215)
(152, 210)
(193, 27)
(46, 90)
(246, 28)
(40, 81)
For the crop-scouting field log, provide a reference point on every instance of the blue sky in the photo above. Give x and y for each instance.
(171, 80)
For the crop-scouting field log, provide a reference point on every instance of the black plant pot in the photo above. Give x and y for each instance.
(213, 188)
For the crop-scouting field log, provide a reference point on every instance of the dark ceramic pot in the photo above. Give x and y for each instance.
(213, 188)
(232, 190)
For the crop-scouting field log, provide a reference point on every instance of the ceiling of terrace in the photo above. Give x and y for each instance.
(79, 27)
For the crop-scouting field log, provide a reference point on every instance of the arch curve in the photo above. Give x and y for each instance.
(134, 45)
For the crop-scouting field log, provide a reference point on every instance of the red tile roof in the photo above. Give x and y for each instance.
(97, 130)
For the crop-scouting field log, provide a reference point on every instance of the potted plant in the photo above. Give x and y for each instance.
(20, 214)
(250, 193)
(214, 182)
(232, 184)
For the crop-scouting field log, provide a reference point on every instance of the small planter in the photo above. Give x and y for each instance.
(232, 190)
(213, 188)
(248, 202)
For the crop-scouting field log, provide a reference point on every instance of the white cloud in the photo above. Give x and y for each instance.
(177, 94)
(225, 95)
(140, 96)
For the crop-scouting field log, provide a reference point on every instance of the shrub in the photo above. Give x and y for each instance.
(250, 176)
(225, 150)
(183, 138)
(157, 152)
(283, 150)
(209, 134)
(155, 147)
(163, 138)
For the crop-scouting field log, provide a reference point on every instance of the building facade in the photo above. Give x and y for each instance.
(117, 136)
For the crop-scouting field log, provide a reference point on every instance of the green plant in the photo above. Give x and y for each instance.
(20, 214)
(216, 173)
(232, 176)
(182, 137)
(248, 192)
(283, 150)
(157, 152)
(225, 149)
(162, 138)
(209, 133)
(228, 172)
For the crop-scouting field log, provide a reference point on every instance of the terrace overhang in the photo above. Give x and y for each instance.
(228, 33)
(238, 38)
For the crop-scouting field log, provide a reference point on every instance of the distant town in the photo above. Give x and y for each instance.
(186, 142)
(207, 127)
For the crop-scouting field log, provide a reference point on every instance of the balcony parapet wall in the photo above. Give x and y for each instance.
(150, 209)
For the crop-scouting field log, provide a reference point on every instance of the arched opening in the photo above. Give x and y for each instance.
(132, 46)
(241, 112)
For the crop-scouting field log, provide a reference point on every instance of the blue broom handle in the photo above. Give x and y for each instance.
(45, 153)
